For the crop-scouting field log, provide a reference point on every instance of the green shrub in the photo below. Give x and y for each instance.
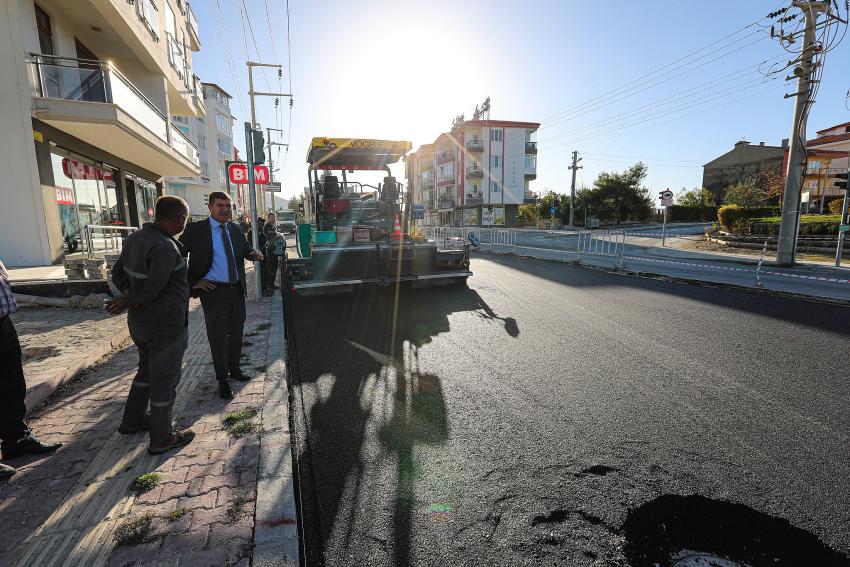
(736, 219)
(835, 206)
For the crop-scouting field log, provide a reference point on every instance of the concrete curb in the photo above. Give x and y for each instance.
(41, 391)
(276, 540)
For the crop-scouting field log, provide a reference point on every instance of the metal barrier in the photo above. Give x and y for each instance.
(112, 238)
(602, 243)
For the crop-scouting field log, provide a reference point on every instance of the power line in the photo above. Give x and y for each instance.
(230, 65)
(616, 90)
(289, 74)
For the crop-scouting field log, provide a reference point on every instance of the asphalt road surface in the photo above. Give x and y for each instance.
(553, 415)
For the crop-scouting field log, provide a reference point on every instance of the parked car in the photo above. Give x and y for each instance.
(286, 222)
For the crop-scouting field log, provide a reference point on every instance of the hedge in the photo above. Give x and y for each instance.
(735, 219)
(681, 213)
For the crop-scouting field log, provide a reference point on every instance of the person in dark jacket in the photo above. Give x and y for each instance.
(217, 251)
(15, 435)
(151, 274)
(270, 264)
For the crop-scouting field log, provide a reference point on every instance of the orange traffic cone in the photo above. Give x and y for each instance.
(397, 235)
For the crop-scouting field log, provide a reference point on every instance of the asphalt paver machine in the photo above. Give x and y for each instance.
(359, 233)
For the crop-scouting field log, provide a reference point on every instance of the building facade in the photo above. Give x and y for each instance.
(741, 164)
(477, 175)
(87, 88)
(827, 155)
(213, 135)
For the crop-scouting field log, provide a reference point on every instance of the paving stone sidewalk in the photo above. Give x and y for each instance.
(77, 506)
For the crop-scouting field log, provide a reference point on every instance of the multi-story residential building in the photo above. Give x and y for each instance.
(481, 166)
(213, 135)
(87, 88)
(827, 155)
(740, 164)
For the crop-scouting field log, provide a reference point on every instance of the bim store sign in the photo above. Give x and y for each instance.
(77, 170)
(64, 195)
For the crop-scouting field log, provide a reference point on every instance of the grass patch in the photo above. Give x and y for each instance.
(177, 514)
(145, 482)
(238, 423)
(804, 219)
(234, 512)
(135, 531)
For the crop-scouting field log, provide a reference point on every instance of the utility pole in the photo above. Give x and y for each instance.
(252, 94)
(574, 167)
(269, 145)
(787, 244)
(252, 196)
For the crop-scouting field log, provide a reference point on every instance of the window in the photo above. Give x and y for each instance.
(222, 176)
(531, 135)
(222, 124)
(496, 161)
(45, 32)
(202, 142)
(530, 162)
(496, 135)
(498, 215)
(205, 169)
(224, 146)
(494, 186)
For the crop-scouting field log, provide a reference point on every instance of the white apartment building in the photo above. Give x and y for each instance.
(213, 135)
(483, 166)
(87, 88)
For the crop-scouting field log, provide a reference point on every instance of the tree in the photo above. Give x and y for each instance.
(771, 184)
(528, 213)
(695, 198)
(618, 196)
(294, 202)
(745, 194)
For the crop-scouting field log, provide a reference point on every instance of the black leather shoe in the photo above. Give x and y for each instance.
(239, 375)
(26, 445)
(224, 391)
(127, 430)
(6, 471)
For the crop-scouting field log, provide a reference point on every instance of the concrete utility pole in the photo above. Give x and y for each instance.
(252, 196)
(575, 166)
(252, 94)
(787, 245)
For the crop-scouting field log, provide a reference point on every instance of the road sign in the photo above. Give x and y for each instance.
(553, 210)
(666, 202)
(272, 187)
(843, 227)
(666, 194)
(238, 174)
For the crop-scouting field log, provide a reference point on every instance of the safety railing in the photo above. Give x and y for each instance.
(181, 143)
(111, 238)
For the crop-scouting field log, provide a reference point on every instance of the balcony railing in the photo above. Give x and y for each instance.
(191, 19)
(529, 198)
(184, 146)
(149, 14)
(826, 171)
(88, 80)
(444, 179)
(475, 145)
(175, 57)
(530, 147)
(446, 202)
(473, 198)
(445, 156)
(474, 171)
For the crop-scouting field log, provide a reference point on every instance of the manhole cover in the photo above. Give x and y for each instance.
(688, 558)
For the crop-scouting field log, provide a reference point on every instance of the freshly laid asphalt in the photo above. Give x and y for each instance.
(553, 415)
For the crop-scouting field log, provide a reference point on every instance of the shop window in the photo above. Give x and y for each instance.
(499, 215)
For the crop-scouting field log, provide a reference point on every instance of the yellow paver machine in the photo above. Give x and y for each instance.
(358, 234)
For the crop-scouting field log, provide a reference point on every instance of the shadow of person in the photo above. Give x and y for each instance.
(363, 402)
(509, 323)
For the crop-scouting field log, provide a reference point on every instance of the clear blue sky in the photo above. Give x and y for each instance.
(389, 69)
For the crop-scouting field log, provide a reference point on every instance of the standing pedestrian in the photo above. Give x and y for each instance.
(217, 252)
(15, 436)
(151, 273)
(270, 264)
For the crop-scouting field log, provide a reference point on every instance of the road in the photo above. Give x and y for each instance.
(552, 415)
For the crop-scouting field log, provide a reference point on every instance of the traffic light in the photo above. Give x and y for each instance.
(259, 147)
(301, 208)
(842, 184)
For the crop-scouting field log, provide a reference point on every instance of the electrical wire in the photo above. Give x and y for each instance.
(230, 65)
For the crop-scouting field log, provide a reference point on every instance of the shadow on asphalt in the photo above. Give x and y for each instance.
(829, 317)
(680, 527)
(361, 400)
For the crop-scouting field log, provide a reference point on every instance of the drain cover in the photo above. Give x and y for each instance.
(688, 558)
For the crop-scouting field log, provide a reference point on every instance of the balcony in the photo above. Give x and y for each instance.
(445, 156)
(473, 198)
(475, 145)
(192, 26)
(529, 198)
(531, 167)
(445, 179)
(826, 171)
(446, 202)
(94, 102)
(530, 147)
(473, 172)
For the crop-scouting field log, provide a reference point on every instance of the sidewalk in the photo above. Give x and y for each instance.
(78, 507)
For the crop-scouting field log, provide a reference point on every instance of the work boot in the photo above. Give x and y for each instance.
(177, 439)
(29, 444)
(6, 471)
(238, 374)
(127, 430)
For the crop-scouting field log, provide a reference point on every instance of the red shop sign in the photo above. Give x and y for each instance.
(76, 170)
(64, 195)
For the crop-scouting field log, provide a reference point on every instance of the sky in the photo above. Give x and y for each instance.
(618, 81)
